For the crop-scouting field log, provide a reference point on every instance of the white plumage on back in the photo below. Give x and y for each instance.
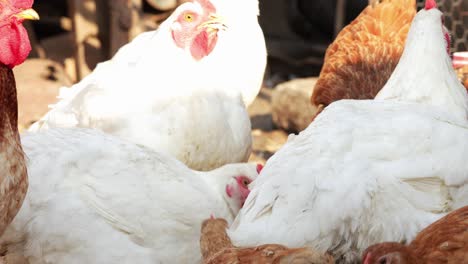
(154, 93)
(94, 198)
(369, 171)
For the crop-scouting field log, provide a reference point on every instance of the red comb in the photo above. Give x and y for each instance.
(207, 5)
(23, 4)
(212, 216)
(259, 167)
(430, 4)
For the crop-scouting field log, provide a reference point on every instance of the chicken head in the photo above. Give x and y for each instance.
(387, 253)
(238, 190)
(196, 28)
(15, 42)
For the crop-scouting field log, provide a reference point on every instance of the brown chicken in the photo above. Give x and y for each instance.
(216, 248)
(14, 50)
(365, 53)
(444, 241)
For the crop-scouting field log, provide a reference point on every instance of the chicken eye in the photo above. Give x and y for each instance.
(245, 182)
(188, 17)
(383, 260)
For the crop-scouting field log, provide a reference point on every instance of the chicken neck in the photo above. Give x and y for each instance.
(13, 174)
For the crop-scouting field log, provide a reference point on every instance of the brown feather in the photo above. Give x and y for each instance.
(216, 248)
(444, 241)
(365, 53)
(214, 237)
(13, 174)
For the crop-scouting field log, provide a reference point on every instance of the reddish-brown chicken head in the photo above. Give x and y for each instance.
(13, 36)
(196, 28)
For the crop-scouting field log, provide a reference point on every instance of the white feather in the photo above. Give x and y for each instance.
(430, 56)
(94, 198)
(373, 170)
(154, 93)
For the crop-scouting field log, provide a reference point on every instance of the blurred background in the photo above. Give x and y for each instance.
(73, 36)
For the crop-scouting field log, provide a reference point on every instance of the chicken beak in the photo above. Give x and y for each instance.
(214, 23)
(28, 14)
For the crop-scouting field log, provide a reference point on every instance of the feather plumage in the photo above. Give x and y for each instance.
(364, 54)
(154, 93)
(444, 241)
(367, 171)
(95, 198)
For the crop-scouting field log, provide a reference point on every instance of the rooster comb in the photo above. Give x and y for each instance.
(207, 5)
(430, 4)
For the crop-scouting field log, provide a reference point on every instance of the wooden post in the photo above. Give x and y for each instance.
(125, 21)
(103, 23)
(113, 22)
(82, 13)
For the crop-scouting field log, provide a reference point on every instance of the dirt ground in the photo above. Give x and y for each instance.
(39, 80)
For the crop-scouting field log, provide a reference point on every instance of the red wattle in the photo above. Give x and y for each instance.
(447, 41)
(203, 45)
(15, 44)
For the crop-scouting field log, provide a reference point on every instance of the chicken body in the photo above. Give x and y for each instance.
(355, 179)
(367, 171)
(155, 93)
(95, 198)
(444, 241)
(364, 54)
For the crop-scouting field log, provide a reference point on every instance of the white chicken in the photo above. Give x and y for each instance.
(181, 89)
(94, 198)
(368, 171)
